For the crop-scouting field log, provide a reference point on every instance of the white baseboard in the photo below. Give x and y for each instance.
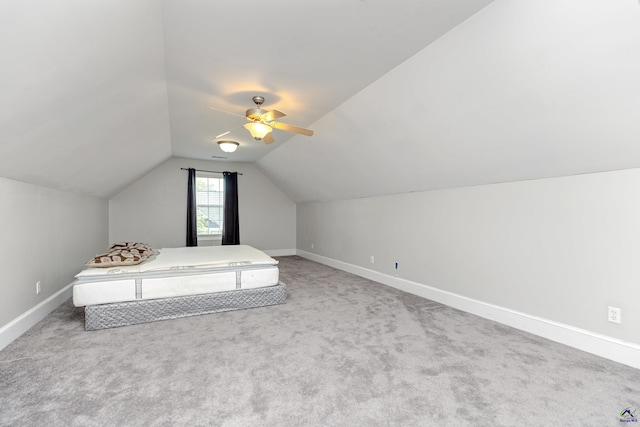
(280, 252)
(601, 345)
(22, 323)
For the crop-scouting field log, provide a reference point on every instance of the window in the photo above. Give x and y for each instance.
(209, 204)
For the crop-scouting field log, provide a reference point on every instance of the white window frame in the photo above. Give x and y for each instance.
(212, 239)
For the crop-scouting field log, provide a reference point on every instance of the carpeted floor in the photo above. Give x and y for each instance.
(343, 351)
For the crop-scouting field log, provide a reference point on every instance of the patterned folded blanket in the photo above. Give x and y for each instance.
(124, 253)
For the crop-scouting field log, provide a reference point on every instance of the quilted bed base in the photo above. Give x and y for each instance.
(112, 315)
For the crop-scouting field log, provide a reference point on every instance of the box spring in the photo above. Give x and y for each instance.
(103, 316)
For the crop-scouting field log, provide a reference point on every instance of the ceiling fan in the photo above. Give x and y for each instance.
(262, 122)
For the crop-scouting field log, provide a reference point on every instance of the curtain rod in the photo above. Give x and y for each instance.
(200, 170)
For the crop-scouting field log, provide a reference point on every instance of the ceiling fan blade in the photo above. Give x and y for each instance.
(221, 135)
(225, 133)
(271, 115)
(226, 112)
(291, 128)
(268, 138)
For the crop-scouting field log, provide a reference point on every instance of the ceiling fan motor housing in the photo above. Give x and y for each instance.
(255, 113)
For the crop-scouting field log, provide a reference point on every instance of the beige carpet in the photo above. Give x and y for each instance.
(343, 351)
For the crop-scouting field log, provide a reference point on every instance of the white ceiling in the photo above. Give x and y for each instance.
(304, 57)
(83, 102)
(522, 90)
(403, 96)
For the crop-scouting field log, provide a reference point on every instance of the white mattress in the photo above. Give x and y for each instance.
(177, 272)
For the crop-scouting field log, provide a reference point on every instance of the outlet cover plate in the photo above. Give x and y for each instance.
(614, 315)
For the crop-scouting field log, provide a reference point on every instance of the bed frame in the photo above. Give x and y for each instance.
(113, 315)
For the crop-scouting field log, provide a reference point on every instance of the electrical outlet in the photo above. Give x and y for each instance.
(312, 246)
(615, 315)
(372, 259)
(38, 287)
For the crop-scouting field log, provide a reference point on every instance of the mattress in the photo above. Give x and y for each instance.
(174, 272)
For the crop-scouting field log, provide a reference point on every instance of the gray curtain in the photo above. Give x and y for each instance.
(192, 217)
(231, 225)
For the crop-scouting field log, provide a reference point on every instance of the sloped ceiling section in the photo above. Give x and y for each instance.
(521, 90)
(83, 104)
(304, 57)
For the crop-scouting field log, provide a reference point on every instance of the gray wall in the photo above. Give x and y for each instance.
(562, 249)
(47, 235)
(153, 209)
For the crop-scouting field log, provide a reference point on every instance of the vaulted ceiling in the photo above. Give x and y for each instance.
(403, 96)
(521, 90)
(304, 57)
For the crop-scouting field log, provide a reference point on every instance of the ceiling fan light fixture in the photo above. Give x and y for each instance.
(258, 130)
(228, 146)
